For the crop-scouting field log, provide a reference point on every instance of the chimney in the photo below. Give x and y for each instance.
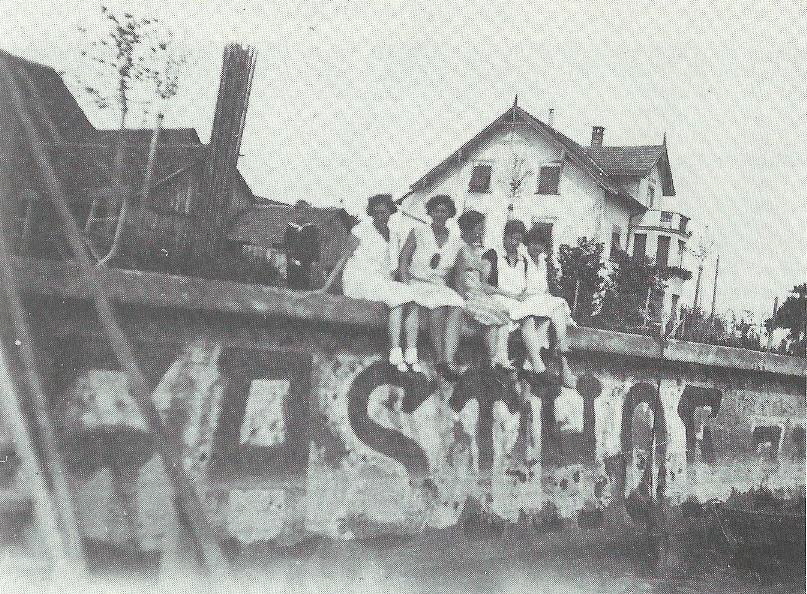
(550, 119)
(597, 132)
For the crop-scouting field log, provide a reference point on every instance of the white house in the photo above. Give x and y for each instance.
(521, 167)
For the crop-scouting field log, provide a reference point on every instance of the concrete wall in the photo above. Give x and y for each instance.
(292, 424)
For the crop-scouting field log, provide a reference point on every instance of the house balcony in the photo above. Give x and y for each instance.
(665, 220)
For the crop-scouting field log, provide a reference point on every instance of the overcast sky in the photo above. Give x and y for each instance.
(352, 98)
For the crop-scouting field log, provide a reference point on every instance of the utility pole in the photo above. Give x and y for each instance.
(705, 245)
(696, 302)
(714, 290)
(773, 318)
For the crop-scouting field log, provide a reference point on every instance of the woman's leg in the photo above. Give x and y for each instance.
(492, 342)
(437, 318)
(502, 347)
(394, 325)
(453, 328)
(560, 321)
(411, 333)
(559, 317)
(534, 335)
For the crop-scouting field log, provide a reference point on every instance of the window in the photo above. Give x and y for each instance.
(681, 248)
(616, 240)
(663, 251)
(682, 224)
(480, 178)
(656, 304)
(666, 217)
(674, 308)
(651, 195)
(549, 179)
(640, 245)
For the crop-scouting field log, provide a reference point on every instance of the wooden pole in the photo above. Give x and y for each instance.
(773, 319)
(56, 517)
(46, 514)
(696, 301)
(168, 445)
(714, 291)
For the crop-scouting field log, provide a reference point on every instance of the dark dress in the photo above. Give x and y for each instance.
(302, 250)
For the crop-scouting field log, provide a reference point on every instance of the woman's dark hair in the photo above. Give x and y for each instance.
(469, 220)
(540, 234)
(514, 226)
(374, 201)
(435, 201)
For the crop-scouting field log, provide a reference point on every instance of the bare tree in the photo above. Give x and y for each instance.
(134, 63)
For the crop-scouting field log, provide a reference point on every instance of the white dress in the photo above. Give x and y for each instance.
(526, 275)
(368, 271)
(429, 283)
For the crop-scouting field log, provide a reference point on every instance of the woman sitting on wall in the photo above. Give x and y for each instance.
(472, 283)
(427, 257)
(370, 262)
(524, 294)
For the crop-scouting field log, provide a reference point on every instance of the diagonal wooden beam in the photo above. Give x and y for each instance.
(168, 445)
(37, 444)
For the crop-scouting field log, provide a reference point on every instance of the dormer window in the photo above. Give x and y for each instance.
(651, 195)
(480, 178)
(549, 179)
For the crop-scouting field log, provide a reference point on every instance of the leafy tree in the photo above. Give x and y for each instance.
(627, 293)
(579, 280)
(791, 316)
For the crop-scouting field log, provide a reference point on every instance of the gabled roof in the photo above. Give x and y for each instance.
(634, 161)
(517, 115)
(88, 165)
(576, 152)
(59, 103)
(626, 160)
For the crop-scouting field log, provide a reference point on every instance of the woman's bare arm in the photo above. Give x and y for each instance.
(405, 259)
(350, 247)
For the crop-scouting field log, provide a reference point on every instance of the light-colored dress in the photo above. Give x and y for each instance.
(368, 271)
(429, 283)
(526, 275)
(471, 269)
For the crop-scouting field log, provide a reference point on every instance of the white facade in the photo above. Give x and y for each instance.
(580, 207)
(586, 203)
(661, 231)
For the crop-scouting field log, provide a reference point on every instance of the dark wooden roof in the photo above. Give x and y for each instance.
(87, 166)
(59, 103)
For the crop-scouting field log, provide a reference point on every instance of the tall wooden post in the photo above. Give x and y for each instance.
(223, 151)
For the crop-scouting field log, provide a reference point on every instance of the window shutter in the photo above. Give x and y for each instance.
(549, 179)
(480, 178)
(663, 251)
(640, 245)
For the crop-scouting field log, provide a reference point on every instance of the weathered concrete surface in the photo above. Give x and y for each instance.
(291, 425)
